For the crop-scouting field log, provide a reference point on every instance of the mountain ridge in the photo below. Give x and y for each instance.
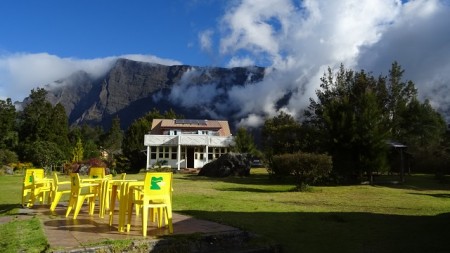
(131, 88)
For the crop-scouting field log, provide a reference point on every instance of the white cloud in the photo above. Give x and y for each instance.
(22, 72)
(240, 62)
(299, 41)
(206, 40)
(419, 41)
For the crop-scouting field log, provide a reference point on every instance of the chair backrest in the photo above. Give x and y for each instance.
(123, 176)
(32, 173)
(97, 172)
(55, 181)
(158, 185)
(75, 183)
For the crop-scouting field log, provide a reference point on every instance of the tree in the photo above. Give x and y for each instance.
(58, 129)
(112, 140)
(133, 144)
(9, 137)
(90, 138)
(399, 95)
(77, 152)
(244, 142)
(347, 113)
(35, 117)
(281, 135)
(44, 126)
(43, 153)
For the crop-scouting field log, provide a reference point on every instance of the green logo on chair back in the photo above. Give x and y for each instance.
(154, 183)
(30, 179)
(94, 176)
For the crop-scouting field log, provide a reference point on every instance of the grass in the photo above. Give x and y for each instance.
(409, 217)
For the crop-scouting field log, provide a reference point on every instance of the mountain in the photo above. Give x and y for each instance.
(130, 89)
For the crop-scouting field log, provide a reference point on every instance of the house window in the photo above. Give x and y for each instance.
(153, 151)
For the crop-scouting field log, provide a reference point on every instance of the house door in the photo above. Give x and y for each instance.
(190, 157)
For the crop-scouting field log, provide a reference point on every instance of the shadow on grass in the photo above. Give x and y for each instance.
(249, 189)
(418, 182)
(8, 208)
(253, 179)
(342, 232)
(437, 195)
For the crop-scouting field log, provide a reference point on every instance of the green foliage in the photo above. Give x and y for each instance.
(112, 140)
(244, 143)
(43, 126)
(35, 117)
(9, 136)
(42, 153)
(7, 156)
(357, 113)
(133, 143)
(280, 135)
(307, 168)
(77, 151)
(90, 138)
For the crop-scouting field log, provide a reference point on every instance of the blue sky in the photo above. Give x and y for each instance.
(87, 29)
(47, 40)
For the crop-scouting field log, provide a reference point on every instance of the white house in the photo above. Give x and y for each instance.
(187, 143)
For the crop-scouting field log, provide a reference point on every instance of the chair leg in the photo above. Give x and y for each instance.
(79, 203)
(91, 205)
(56, 199)
(70, 207)
(144, 220)
(168, 209)
(130, 212)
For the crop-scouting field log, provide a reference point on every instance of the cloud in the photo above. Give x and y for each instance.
(299, 40)
(22, 72)
(419, 41)
(206, 40)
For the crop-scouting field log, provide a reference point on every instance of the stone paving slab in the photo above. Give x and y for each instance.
(66, 233)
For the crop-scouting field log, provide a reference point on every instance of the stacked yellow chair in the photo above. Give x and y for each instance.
(79, 193)
(27, 184)
(36, 186)
(41, 189)
(156, 196)
(58, 190)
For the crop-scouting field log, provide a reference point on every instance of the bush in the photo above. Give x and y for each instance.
(307, 168)
(7, 156)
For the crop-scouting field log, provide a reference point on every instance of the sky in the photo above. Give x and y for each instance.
(43, 41)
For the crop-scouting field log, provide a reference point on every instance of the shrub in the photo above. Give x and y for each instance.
(7, 156)
(307, 168)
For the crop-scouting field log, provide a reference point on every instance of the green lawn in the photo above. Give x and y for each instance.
(412, 217)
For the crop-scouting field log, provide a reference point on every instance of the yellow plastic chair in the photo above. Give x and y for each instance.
(106, 192)
(28, 182)
(79, 193)
(97, 172)
(96, 175)
(40, 188)
(156, 196)
(58, 190)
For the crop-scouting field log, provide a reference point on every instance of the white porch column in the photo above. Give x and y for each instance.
(148, 158)
(207, 154)
(178, 153)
